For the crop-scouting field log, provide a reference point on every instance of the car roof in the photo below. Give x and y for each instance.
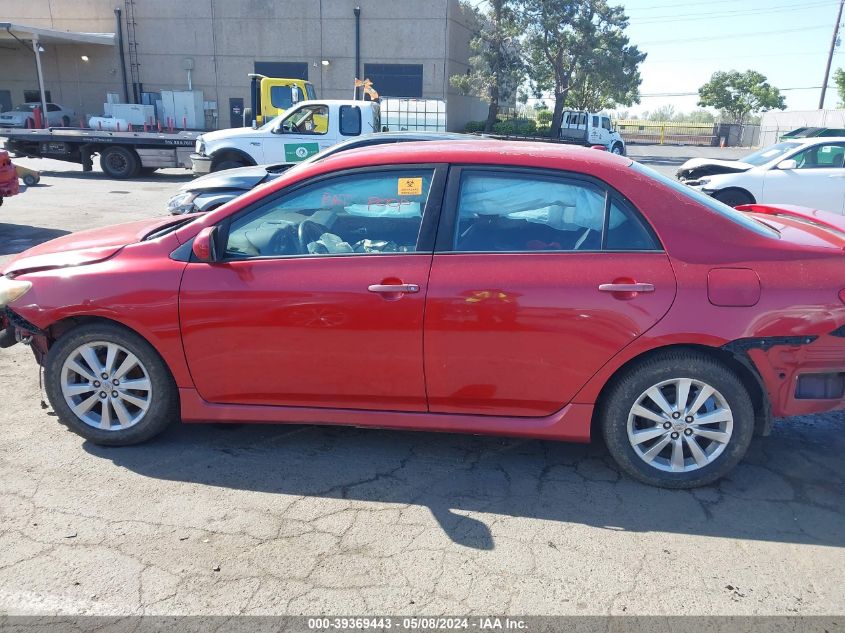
(813, 140)
(476, 150)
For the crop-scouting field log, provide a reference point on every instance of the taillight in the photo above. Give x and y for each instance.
(842, 295)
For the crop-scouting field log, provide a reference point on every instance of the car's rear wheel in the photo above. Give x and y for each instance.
(678, 420)
(734, 197)
(30, 180)
(109, 385)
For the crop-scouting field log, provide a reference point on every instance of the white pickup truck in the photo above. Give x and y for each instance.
(300, 132)
(587, 128)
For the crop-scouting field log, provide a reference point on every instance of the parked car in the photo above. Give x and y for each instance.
(806, 172)
(24, 115)
(213, 190)
(519, 289)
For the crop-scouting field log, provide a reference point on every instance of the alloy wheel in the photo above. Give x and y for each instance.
(106, 386)
(680, 425)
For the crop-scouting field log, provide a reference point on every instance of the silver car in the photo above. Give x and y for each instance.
(24, 115)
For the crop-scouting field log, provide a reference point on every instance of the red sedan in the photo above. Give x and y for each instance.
(481, 287)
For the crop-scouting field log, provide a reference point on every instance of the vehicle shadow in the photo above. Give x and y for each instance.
(16, 238)
(98, 175)
(790, 488)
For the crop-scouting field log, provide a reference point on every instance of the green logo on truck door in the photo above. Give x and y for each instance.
(295, 152)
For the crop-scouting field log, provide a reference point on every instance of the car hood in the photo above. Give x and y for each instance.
(222, 135)
(244, 178)
(700, 167)
(85, 247)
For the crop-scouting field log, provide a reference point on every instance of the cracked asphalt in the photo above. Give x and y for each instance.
(326, 520)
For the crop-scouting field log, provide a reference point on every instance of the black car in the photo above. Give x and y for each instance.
(212, 190)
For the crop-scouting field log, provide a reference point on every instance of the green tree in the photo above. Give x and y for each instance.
(578, 50)
(738, 94)
(496, 65)
(839, 80)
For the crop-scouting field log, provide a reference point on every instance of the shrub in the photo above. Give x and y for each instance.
(516, 127)
(474, 126)
(544, 118)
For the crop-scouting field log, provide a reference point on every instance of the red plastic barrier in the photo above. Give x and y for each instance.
(9, 185)
(39, 120)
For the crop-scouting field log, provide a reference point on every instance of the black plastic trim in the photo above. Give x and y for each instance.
(765, 342)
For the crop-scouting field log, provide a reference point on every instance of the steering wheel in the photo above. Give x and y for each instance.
(309, 231)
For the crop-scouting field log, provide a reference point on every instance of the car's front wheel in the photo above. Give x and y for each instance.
(109, 385)
(678, 420)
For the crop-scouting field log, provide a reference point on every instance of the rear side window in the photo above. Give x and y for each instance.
(515, 212)
(350, 120)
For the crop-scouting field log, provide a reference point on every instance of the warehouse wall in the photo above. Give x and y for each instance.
(225, 38)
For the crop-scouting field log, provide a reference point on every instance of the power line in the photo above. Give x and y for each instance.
(695, 94)
(732, 36)
(686, 17)
(708, 59)
(675, 4)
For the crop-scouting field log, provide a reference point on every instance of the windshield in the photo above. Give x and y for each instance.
(711, 203)
(770, 153)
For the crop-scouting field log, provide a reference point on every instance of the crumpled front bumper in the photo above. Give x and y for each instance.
(200, 164)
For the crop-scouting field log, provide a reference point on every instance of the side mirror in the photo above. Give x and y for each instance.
(205, 245)
(788, 164)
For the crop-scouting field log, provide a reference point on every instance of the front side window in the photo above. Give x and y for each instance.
(281, 97)
(595, 121)
(605, 123)
(518, 212)
(820, 157)
(311, 119)
(371, 213)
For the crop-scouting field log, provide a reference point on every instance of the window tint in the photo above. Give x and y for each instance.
(595, 121)
(368, 213)
(626, 231)
(605, 123)
(514, 212)
(52, 107)
(820, 157)
(350, 120)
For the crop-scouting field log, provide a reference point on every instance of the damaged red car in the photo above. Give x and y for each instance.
(482, 287)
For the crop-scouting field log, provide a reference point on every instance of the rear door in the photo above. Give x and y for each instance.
(538, 279)
(818, 181)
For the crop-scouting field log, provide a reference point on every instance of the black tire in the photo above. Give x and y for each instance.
(625, 391)
(30, 181)
(65, 121)
(618, 149)
(164, 407)
(734, 197)
(230, 163)
(119, 163)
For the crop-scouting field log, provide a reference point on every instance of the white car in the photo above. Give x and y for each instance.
(24, 115)
(805, 172)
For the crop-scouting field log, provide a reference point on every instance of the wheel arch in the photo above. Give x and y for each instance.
(737, 189)
(739, 363)
(67, 324)
(230, 153)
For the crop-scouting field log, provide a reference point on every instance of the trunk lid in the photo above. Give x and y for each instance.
(804, 225)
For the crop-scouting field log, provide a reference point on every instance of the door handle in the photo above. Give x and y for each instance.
(634, 287)
(393, 288)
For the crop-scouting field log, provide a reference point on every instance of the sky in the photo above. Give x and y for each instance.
(686, 42)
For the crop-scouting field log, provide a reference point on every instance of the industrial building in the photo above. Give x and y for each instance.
(135, 49)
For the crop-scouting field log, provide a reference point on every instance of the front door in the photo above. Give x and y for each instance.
(304, 132)
(818, 181)
(531, 290)
(319, 301)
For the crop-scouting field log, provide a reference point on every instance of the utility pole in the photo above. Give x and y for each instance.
(830, 54)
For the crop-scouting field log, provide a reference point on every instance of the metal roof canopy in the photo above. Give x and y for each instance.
(38, 35)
